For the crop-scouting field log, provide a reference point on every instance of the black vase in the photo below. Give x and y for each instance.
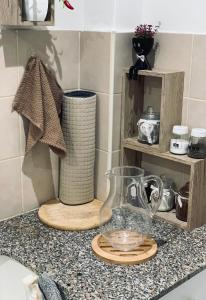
(143, 45)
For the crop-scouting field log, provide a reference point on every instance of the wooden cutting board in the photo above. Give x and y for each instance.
(66, 217)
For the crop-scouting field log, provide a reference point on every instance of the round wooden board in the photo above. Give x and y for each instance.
(142, 253)
(65, 217)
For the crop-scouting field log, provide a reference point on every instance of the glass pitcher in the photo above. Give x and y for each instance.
(131, 211)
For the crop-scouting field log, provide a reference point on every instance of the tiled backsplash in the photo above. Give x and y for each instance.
(95, 56)
(187, 52)
(87, 60)
(26, 184)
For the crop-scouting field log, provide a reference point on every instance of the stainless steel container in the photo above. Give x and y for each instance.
(168, 197)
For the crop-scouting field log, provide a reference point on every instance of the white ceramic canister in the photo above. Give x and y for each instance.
(180, 140)
(197, 143)
(36, 10)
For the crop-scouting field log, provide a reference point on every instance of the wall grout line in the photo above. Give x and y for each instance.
(21, 176)
(9, 158)
(6, 98)
(21, 185)
(20, 128)
(115, 151)
(17, 43)
(187, 112)
(111, 100)
(190, 68)
(97, 92)
(79, 62)
(105, 151)
(118, 94)
(195, 99)
(19, 214)
(98, 149)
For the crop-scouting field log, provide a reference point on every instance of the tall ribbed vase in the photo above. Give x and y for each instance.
(77, 168)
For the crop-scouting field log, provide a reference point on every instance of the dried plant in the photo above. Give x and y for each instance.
(146, 31)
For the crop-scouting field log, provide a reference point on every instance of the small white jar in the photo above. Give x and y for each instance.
(197, 143)
(180, 140)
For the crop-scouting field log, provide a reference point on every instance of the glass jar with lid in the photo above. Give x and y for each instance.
(182, 199)
(180, 140)
(197, 143)
(149, 126)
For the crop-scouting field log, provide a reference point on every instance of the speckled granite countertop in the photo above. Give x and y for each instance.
(67, 257)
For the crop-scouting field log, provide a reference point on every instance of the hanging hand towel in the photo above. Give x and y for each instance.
(39, 99)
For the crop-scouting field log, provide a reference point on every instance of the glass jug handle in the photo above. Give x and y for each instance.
(156, 194)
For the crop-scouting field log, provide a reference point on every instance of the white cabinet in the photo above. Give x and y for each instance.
(192, 289)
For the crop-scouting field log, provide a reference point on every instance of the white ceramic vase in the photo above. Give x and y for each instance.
(36, 10)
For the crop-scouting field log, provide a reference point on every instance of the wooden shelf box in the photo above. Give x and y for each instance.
(12, 14)
(171, 98)
(133, 152)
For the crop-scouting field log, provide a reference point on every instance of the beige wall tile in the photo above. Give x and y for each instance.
(9, 130)
(38, 177)
(174, 53)
(59, 50)
(10, 185)
(102, 121)
(116, 122)
(8, 63)
(115, 159)
(100, 178)
(152, 93)
(123, 57)
(196, 113)
(95, 61)
(198, 86)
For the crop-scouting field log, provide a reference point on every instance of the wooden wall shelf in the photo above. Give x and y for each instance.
(133, 144)
(132, 150)
(11, 14)
(172, 84)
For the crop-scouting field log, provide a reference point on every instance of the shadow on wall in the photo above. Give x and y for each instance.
(31, 42)
(37, 166)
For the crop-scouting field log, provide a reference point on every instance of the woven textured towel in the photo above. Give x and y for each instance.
(39, 99)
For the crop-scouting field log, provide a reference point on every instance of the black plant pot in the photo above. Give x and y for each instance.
(143, 45)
